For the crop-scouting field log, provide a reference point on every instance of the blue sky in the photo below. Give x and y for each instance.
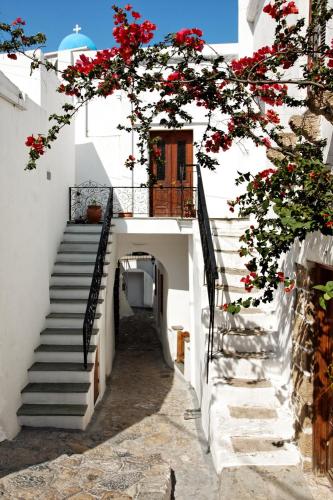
(217, 18)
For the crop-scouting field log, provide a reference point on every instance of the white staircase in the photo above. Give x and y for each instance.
(249, 424)
(60, 392)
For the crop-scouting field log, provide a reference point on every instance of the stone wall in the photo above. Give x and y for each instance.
(302, 364)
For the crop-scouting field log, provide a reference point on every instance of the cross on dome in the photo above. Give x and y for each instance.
(77, 29)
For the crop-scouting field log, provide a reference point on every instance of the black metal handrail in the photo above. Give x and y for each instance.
(209, 261)
(95, 286)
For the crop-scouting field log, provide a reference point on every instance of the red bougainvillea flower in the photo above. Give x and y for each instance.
(12, 56)
(272, 116)
(266, 142)
(190, 37)
(36, 143)
(280, 276)
(136, 15)
(218, 141)
(267, 172)
(277, 13)
(17, 21)
(248, 282)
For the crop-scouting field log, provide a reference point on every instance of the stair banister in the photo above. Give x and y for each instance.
(209, 261)
(95, 286)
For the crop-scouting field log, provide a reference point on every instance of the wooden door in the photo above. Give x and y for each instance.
(173, 190)
(322, 391)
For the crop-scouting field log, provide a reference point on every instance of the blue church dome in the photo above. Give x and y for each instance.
(76, 40)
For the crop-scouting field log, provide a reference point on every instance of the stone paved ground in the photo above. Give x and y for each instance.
(142, 412)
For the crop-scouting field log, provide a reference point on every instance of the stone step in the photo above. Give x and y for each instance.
(82, 236)
(245, 392)
(60, 373)
(86, 228)
(241, 422)
(56, 393)
(83, 246)
(78, 257)
(227, 242)
(254, 366)
(60, 416)
(232, 225)
(63, 353)
(245, 341)
(39, 409)
(72, 292)
(75, 267)
(224, 457)
(229, 259)
(68, 320)
(70, 336)
(247, 318)
(72, 305)
(76, 279)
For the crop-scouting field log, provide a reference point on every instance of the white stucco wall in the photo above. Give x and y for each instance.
(34, 214)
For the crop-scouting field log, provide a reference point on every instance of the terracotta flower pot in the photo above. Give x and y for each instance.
(94, 214)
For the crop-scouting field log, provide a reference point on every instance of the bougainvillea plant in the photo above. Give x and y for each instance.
(286, 201)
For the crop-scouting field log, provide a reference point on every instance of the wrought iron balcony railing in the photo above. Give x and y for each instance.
(156, 201)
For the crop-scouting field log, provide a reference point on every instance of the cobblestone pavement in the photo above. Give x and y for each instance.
(142, 412)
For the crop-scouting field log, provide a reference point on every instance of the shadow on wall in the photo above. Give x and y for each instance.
(89, 165)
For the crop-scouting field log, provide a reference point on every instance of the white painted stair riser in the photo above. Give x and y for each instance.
(62, 357)
(74, 268)
(72, 293)
(225, 242)
(56, 339)
(250, 369)
(280, 428)
(243, 396)
(229, 259)
(82, 247)
(229, 226)
(77, 257)
(71, 307)
(266, 342)
(82, 237)
(67, 322)
(60, 376)
(56, 398)
(256, 319)
(224, 456)
(231, 279)
(223, 296)
(87, 228)
(61, 421)
(63, 280)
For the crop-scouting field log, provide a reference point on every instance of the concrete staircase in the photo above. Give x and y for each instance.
(60, 392)
(251, 422)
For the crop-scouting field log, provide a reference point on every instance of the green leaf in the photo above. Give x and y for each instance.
(322, 302)
(322, 288)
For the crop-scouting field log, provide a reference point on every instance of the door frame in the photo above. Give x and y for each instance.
(322, 425)
(184, 185)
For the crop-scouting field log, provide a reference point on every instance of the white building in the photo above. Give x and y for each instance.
(47, 266)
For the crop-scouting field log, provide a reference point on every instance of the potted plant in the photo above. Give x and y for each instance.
(189, 209)
(94, 212)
